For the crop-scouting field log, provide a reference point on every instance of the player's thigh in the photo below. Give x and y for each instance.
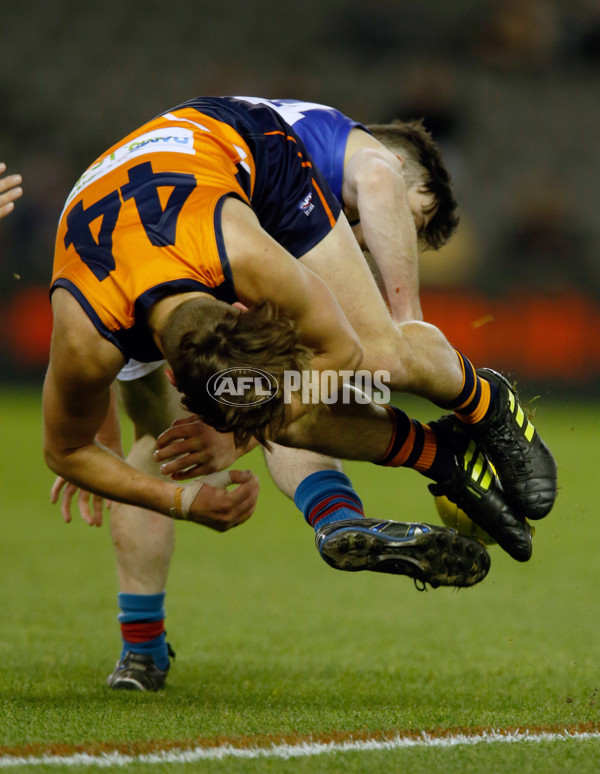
(151, 402)
(339, 261)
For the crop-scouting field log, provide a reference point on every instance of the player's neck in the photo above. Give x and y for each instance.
(160, 311)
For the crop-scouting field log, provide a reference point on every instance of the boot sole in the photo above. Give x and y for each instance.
(438, 558)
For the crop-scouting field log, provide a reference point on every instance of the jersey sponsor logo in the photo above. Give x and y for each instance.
(167, 140)
(306, 206)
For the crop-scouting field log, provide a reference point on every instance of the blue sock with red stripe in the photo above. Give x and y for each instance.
(327, 496)
(142, 620)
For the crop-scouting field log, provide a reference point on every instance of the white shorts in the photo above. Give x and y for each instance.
(134, 369)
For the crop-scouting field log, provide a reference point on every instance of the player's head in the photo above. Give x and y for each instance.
(204, 337)
(425, 171)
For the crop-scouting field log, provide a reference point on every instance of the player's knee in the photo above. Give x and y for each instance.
(389, 350)
(422, 343)
(151, 402)
(141, 455)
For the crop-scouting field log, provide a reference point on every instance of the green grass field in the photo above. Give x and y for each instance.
(273, 644)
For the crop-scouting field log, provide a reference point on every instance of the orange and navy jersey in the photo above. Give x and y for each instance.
(144, 220)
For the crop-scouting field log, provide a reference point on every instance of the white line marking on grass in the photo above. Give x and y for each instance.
(287, 751)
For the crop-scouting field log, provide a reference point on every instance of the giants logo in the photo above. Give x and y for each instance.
(306, 206)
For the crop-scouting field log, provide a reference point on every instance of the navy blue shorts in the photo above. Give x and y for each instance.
(291, 198)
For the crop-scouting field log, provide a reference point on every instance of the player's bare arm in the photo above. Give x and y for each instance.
(76, 400)
(375, 190)
(91, 507)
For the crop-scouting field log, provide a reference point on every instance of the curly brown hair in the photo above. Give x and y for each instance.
(424, 161)
(204, 338)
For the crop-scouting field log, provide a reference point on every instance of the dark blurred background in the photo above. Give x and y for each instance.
(509, 89)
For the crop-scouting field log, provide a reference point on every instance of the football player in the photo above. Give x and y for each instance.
(215, 203)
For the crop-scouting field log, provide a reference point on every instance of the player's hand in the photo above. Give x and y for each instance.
(9, 191)
(190, 448)
(91, 515)
(221, 509)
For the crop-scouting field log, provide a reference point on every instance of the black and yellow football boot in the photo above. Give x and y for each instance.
(476, 489)
(523, 462)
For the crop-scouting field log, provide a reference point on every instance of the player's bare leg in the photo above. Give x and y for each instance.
(417, 356)
(288, 467)
(143, 543)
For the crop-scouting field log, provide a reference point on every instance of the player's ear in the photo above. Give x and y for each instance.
(170, 376)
